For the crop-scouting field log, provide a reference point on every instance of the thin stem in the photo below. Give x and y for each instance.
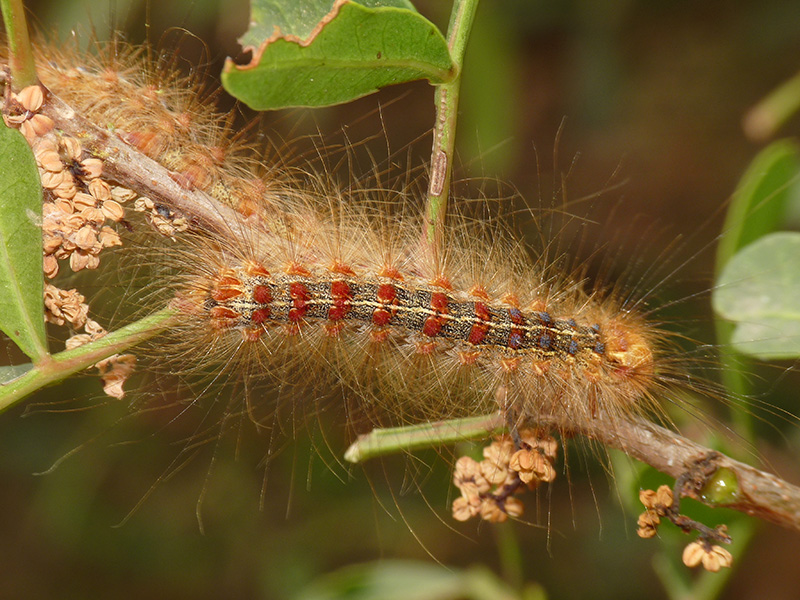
(444, 131)
(23, 68)
(62, 365)
(380, 442)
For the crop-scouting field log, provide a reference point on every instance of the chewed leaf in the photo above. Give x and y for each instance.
(21, 279)
(297, 18)
(307, 55)
(759, 290)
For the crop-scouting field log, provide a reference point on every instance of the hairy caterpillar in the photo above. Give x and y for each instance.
(292, 217)
(364, 297)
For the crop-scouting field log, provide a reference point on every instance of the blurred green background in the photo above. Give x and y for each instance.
(653, 93)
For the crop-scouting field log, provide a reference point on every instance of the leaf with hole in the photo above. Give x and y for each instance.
(306, 54)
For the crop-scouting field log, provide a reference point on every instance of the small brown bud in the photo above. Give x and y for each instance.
(693, 554)
(491, 512)
(108, 237)
(121, 194)
(78, 261)
(93, 215)
(50, 244)
(115, 370)
(649, 518)
(717, 558)
(514, 507)
(464, 508)
(77, 340)
(647, 497)
(37, 126)
(72, 148)
(664, 496)
(100, 189)
(92, 167)
(94, 329)
(113, 211)
(50, 161)
(31, 98)
(50, 264)
(85, 238)
(51, 180)
(82, 200)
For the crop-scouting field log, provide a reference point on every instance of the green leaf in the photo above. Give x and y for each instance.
(21, 279)
(759, 290)
(759, 204)
(305, 54)
(399, 580)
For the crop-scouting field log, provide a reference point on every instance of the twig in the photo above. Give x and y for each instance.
(444, 129)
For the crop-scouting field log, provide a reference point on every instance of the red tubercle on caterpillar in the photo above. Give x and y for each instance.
(442, 281)
(540, 368)
(386, 293)
(226, 286)
(262, 294)
(252, 334)
(149, 143)
(516, 335)
(510, 299)
(223, 317)
(253, 269)
(260, 315)
(425, 348)
(387, 296)
(297, 270)
(433, 324)
(342, 269)
(342, 296)
(378, 336)
(479, 292)
(468, 358)
(381, 317)
(479, 330)
(390, 273)
(300, 296)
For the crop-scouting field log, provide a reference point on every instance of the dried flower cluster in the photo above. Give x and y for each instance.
(657, 505)
(488, 487)
(165, 221)
(660, 504)
(77, 204)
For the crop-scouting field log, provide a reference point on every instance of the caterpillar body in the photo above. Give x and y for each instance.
(437, 338)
